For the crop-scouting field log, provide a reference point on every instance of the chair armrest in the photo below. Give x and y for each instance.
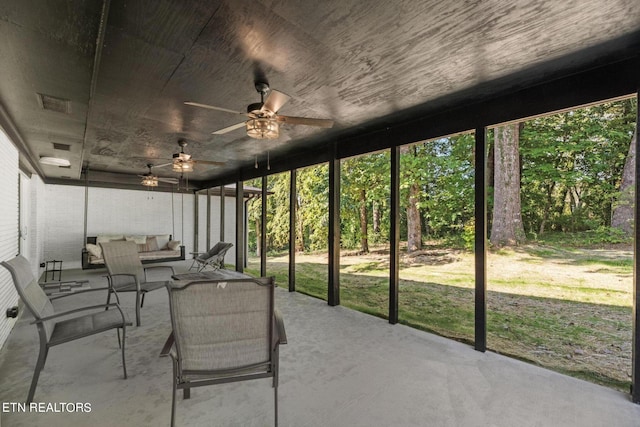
(78, 292)
(166, 349)
(123, 274)
(77, 310)
(133, 276)
(279, 328)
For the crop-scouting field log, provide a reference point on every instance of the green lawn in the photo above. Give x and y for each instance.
(567, 310)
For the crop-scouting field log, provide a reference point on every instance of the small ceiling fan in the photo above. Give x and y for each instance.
(150, 180)
(264, 120)
(182, 162)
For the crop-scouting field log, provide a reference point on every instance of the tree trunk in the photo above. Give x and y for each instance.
(507, 228)
(300, 229)
(622, 217)
(414, 229)
(547, 208)
(364, 240)
(376, 218)
(258, 237)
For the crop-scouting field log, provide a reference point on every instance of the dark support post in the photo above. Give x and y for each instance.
(481, 241)
(293, 203)
(239, 227)
(263, 230)
(635, 345)
(196, 220)
(394, 236)
(333, 294)
(222, 190)
(208, 246)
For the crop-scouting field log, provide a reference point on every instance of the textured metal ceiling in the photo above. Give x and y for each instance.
(127, 67)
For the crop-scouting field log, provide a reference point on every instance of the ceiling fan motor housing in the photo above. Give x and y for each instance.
(256, 109)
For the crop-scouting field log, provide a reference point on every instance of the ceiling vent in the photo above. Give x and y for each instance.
(52, 103)
(61, 147)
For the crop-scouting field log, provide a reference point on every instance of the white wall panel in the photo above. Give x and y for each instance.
(37, 224)
(9, 174)
(64, 224)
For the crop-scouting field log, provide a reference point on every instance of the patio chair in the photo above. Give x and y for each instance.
(223, 331)
(126, 273)
(213, 258)
(53, 331)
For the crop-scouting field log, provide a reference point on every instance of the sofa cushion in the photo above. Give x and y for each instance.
(94, 250)
(162, 254)
(139, 239)
(103, 238)
(174, 245)
(162, 240)
(152, 244)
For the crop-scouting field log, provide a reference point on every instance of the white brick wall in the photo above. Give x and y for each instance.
(126, 212)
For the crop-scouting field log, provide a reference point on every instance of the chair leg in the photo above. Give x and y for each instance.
(186, 393)
(137, 308)
(119, 342)
(124, 362)
(275, 397)
(42, 358)
(108, 299)
(142, 302)
(173, 394)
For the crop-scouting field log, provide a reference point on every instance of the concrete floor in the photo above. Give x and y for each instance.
(340, 368)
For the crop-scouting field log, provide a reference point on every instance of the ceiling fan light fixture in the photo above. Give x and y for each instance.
(181, 166)
(150, 181)
(262, 128)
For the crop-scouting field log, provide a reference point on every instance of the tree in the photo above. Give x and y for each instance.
(411, 171)
(507, 228)
(622, 217)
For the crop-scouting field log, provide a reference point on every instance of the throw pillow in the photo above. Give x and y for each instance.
(173, 245)
(152, 244)
(103, 238)
(140, 240)
(94, 250)
(142, 248)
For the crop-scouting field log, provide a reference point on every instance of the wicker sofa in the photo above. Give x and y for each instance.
(151, 248)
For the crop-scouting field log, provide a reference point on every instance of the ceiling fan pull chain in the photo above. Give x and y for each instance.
(256, 163)
(268, 164)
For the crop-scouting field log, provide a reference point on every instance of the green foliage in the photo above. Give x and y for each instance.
(444, 170)
(581, 239)
(571, 164)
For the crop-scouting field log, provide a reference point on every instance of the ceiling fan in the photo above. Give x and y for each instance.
(182, 162)
(150, 180)
(264, 120)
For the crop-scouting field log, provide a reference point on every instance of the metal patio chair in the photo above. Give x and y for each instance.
(53, 331)
(126, 273)
(223, 331)
(213, 258)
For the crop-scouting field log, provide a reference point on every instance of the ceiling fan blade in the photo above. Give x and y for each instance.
(323, 123)
(275, 101)
(163, 165)
(211, 107)
(228, 129)
(169, 180)
(210, 162)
